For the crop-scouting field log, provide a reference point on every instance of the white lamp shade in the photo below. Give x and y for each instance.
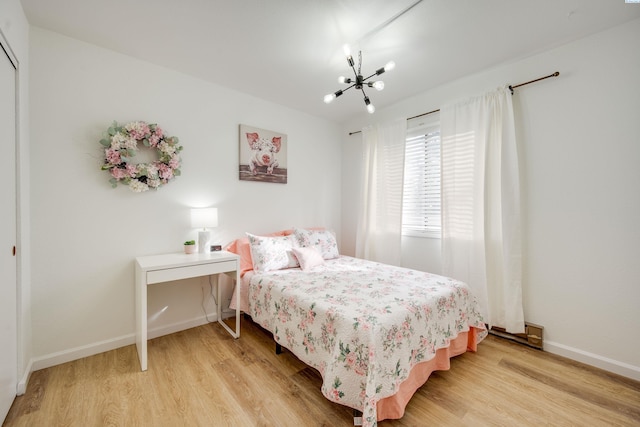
(204, 217)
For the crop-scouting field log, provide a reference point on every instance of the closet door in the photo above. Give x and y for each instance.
(8, 282)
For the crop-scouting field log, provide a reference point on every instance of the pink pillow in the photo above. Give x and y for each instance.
(308, 257)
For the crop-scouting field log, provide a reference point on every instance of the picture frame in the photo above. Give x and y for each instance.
(263, 155)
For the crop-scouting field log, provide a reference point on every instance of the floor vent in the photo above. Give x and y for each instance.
(533, 335)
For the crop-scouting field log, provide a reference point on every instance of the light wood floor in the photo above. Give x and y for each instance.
(203, 377)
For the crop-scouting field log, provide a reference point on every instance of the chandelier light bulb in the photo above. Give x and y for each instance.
(379, 85)
(347, 50)
(343, 79)
(329, 98)
(390, 66)
(370, 107)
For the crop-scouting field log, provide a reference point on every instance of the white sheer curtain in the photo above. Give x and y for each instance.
(380, 218)
(481, 242)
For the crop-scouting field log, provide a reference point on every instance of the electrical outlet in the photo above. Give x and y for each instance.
(216, 248)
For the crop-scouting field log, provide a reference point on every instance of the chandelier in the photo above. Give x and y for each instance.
(358, 81)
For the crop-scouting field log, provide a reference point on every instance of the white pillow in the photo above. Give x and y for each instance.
(272, 253)
(308, 257)
(323, 240)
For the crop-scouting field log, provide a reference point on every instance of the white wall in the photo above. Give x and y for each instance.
(15, 28)
(86, 234)
(579, 150)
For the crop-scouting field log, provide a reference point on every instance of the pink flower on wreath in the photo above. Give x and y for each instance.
(165, 171)
(135, 134)
(138, 130)
(113, 156)
(159, 132)
(174, 163)
(118, 173)
(132, 170)
(153, 140)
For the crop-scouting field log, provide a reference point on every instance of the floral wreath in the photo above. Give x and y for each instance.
(122, 145)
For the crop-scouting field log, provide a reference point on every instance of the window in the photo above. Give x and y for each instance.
(421, 200)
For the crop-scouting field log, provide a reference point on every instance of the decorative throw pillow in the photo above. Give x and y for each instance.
(323, 240)
(272, 253)
(242, 247)
(308, 257)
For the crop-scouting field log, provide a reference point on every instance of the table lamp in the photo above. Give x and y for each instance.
(203, 218)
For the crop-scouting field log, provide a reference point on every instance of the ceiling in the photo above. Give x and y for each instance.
(290, 51)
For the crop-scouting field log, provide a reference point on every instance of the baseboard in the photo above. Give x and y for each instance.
(180, 326)
(591, 359)
(76, 353)
(21, 388)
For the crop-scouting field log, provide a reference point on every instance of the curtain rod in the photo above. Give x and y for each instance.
(511, 88)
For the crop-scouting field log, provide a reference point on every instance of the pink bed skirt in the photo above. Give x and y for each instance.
(392, 407)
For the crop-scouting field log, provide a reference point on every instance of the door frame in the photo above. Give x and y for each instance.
(6, 48)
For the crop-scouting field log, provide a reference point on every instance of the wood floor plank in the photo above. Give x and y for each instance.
(203, 377)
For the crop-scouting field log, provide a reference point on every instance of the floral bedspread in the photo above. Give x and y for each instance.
(362, 324)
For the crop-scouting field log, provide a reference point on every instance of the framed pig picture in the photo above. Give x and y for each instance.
(263, 155)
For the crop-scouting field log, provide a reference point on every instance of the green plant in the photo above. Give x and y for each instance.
(190, 242)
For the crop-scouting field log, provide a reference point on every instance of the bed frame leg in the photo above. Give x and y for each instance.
(357, 417)
(278, 349)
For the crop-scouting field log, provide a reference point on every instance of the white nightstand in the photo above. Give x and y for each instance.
(176, 266)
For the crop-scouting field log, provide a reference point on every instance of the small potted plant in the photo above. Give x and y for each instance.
(189, 246)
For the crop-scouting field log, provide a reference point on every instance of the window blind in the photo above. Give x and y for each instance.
(421, 204)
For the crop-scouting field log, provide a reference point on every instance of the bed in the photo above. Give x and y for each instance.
(375, 332)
